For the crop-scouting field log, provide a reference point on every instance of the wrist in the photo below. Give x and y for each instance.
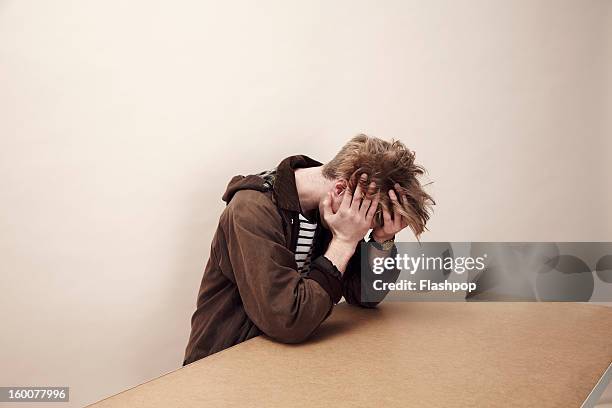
(339, 252)
(343, 244)
(380, 238)
(382, 243)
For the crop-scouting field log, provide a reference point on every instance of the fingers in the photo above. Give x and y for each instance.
(393, 196)
(327, 204)
(367, 200)
(403, 198)
(347, 197)
(387, 217)
(358, 197)
(397, 218)
(373, 207)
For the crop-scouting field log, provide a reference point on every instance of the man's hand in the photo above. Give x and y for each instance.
(354, 217)
(350, 223)
(391, 225)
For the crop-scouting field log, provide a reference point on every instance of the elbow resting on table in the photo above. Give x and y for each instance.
(290, 327)
(289, 335)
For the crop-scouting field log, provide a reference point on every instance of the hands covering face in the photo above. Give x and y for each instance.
(355, 216)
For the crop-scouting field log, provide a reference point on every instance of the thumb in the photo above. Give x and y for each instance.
(326, 205)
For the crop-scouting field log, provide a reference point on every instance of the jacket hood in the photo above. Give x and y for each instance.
(281, 181)
(250, 182)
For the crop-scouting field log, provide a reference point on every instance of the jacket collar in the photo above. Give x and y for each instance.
(285, 191)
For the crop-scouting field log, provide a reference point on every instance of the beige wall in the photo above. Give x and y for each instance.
(608, 116)
(607, 396)
(121, 122)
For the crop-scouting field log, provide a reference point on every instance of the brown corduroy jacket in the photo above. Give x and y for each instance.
(251, 284)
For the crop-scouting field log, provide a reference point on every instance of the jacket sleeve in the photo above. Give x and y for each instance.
(358, 279)
(281, 303)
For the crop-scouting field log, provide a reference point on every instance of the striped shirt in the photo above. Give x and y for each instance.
(305, 242)
(303, 249)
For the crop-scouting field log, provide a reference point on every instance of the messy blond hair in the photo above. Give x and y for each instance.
(385, 163)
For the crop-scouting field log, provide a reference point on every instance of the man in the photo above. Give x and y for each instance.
(287, 245)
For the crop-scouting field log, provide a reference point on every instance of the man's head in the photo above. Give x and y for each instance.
(387, 164)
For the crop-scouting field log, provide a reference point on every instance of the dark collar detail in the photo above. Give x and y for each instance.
(285, 191)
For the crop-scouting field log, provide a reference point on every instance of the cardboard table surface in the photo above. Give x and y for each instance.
(405, 355)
